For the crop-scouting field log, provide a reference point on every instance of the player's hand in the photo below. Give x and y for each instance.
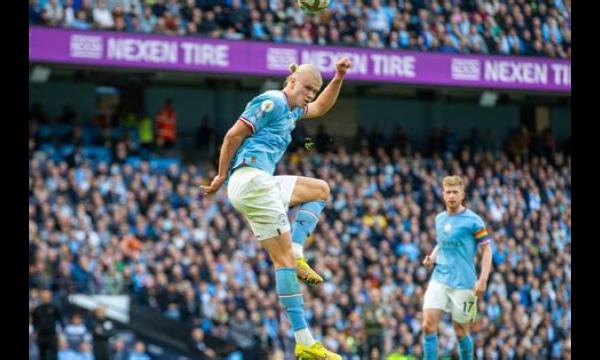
(479, 288)
(214, 185)
(428, 262)
(342, 66)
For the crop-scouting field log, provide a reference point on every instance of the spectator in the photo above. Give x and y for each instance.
(378, 20)
(139, 352)
(374, 41)
(449, 46)
(375, 321)
(88, 7)
(76, 333)
(103, 18)
(242, 333)
(65, 352)
(54, 12)
(208, 24)
(35, 12)
(80, 22)
(476, 41)
(69, 13)
(148, 20)
(118, 14)
(119, 351)
(159, 8)
(186, 11)
(258, 32)
(199, 347)
(113, 281)
(85, 352)
(46, 317)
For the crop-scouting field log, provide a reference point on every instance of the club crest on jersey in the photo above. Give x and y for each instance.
(447, 228)
(267, 105)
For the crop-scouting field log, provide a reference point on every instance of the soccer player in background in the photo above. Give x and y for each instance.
(454, 287)
(250, 151)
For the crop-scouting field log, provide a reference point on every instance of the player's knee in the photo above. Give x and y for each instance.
(460, 331)
(429, 325)
(324, 190)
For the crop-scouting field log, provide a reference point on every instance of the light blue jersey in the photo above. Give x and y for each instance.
(458, 236)
(272, 121)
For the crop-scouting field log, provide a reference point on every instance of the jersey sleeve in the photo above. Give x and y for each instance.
(260, 111)
(480, 232)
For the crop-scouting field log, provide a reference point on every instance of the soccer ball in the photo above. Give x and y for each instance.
(313, 6)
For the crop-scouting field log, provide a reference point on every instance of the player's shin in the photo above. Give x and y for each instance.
(290, 296)
(304, 224)
(430, 346)
(465, 346)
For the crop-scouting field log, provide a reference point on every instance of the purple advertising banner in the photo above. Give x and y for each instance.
(205, 55)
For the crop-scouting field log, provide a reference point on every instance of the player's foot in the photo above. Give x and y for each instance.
(306, 274)
(315, 352)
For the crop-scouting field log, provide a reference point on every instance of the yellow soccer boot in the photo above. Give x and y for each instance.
(306, 274)
(315, 352)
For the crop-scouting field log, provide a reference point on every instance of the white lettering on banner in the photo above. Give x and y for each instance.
(393, 65)
(562, 74)
(465, 69)
(205, 54)
(153, 51)
(514, 72)
(325, 60)
(86, 46)
(281, 58)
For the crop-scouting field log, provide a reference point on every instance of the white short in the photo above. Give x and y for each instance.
(461, 303)
(263, 199)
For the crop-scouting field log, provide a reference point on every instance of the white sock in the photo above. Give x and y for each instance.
(297, 250)
(304, 337)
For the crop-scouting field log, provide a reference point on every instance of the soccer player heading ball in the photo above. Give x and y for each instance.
(454, 287)
(250, 151)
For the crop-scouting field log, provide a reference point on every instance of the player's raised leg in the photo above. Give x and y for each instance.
(309, 196)
(465, 343)
(431, 318)
(290, 296)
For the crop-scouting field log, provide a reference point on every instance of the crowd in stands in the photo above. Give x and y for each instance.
(507, 27)
(117, 227)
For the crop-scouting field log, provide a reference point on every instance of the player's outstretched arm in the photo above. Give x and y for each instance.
(232, 141)
(328, 97)
(486, 267)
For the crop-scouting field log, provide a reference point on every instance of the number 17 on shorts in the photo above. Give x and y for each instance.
(469, 307)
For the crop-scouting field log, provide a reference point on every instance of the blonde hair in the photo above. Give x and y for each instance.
(453, 181)
(304, 68)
